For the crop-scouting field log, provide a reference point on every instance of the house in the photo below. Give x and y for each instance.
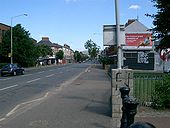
(138, 52)
(55, 48)
(3, 29)
(137, 47)
(68, 52)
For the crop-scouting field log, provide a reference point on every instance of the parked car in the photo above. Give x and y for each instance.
(12, 69)
(167, 71)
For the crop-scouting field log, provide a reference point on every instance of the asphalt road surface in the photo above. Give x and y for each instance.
(18, 90)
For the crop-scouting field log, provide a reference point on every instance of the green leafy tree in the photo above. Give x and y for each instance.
(24, 48)
(77, 56)
(83, 56)
(162, 23)
(59, 55)
(44, 50)
(92, 48)
(4, 51)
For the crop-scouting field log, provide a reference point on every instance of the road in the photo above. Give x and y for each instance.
(20, 90)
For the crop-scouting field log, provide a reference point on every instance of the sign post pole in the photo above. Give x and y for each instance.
(119, 61)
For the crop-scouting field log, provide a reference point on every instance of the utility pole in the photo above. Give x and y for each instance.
(119, 61)
(12, 35)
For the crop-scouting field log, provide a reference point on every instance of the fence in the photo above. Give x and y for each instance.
(144, 85)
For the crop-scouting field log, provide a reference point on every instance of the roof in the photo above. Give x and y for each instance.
(66, 46)
(129, 22)
(46, 41)
(5, 25)
(56, 45)
(136, 27)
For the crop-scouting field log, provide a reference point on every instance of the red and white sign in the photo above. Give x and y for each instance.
(137, 39)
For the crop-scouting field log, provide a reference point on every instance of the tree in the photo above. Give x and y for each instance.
(77, 56)
(162, 23)
(24, 48)
(44, 50)
(59, 55)
(83, 56)
(161, 93)
(92, 48)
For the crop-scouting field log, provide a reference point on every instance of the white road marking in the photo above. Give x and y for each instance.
(2, 89)
(40, 72)
(29, 103)
(26, 75)
(25, 103)
(2, 119)
(6, 79)
(50, 75)
(33, 80)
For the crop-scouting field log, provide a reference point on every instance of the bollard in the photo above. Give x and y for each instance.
(130, 104)
(124, 94)
(141, 125)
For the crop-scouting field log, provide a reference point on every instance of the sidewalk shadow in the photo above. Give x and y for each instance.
(95, 106)
(98, 108)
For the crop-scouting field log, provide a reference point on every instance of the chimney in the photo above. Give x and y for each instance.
(45, 38)
(129, 22)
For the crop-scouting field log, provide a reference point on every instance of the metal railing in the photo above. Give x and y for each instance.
(144, 84)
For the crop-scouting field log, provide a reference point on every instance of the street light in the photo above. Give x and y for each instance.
(12, 35)
(119, 64)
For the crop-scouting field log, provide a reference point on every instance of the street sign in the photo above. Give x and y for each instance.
(109, 35)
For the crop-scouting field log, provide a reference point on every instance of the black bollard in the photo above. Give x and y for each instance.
(124, 94)
(130, 104)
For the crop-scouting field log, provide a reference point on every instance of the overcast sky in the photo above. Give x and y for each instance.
(72, 21)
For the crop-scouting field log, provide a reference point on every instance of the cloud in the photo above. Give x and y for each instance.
(134, 7)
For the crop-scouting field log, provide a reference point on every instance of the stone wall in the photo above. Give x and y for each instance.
(120, 77)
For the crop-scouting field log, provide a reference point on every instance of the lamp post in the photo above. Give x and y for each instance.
(12, 35)
(119, 64)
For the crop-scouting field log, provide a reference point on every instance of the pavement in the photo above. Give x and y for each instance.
(159, 118)
(80, 103)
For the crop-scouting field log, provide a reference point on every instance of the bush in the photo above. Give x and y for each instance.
(2, 64)
(161, 94)
(106, 60)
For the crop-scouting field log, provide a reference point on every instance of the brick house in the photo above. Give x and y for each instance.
(55, 47)
(3, 29)
(68, 52)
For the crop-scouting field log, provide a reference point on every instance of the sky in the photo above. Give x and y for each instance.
(72, 22)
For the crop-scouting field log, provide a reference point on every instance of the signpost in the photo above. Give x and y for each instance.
(119, 61)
